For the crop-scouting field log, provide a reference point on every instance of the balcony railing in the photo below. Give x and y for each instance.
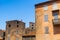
(56, 21)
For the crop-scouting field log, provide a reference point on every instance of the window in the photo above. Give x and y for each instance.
(17, 22)
(8, 38)
(17, 39)
(46, 30)
(55, 15)
(45, 7)
(9, 25)
(17, 25)
(45, 17)
(16, 31)
(54, 6)
(32, 25)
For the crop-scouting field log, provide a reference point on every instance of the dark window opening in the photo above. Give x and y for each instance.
(32, 25)
(17, 22)
(3, 35)
(55, 12)
(17, 25)
(9, 25)
(28, 38)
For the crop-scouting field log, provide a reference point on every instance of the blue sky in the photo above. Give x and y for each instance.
(17, 10)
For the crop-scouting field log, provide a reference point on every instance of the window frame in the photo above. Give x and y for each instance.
(46, 30)
(45, 17)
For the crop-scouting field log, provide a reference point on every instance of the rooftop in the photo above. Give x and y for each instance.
(46, 2)
(15, 21)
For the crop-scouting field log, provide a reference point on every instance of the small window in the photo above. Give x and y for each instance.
(46, 30)
(32, 28)
(16, 31)
(45, 17)
(17, 38)
(45, 7)
(54, 6)
(17, 22)
(9, 25)
(26, 32)
(17, 25)
(55, 14)
(32, 25)
(8, 38)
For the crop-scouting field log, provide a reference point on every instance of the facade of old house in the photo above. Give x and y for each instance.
(48, 20)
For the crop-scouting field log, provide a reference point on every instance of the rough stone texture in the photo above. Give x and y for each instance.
(13, 31)
(40, 24)
(23, 33)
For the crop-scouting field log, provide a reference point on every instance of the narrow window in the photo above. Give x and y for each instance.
(32, 28)
(32, 25)
(17, 22)
(8, 38)
(45, 17)
(55, 15)
(9, 25)
(17, 25)
(16, 31)
(46, 30)
(17, 38)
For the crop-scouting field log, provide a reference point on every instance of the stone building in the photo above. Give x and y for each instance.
(15, 30)
(32, 25)
(30, 33)
(48, 20)
(2, 34)
(46, 26)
